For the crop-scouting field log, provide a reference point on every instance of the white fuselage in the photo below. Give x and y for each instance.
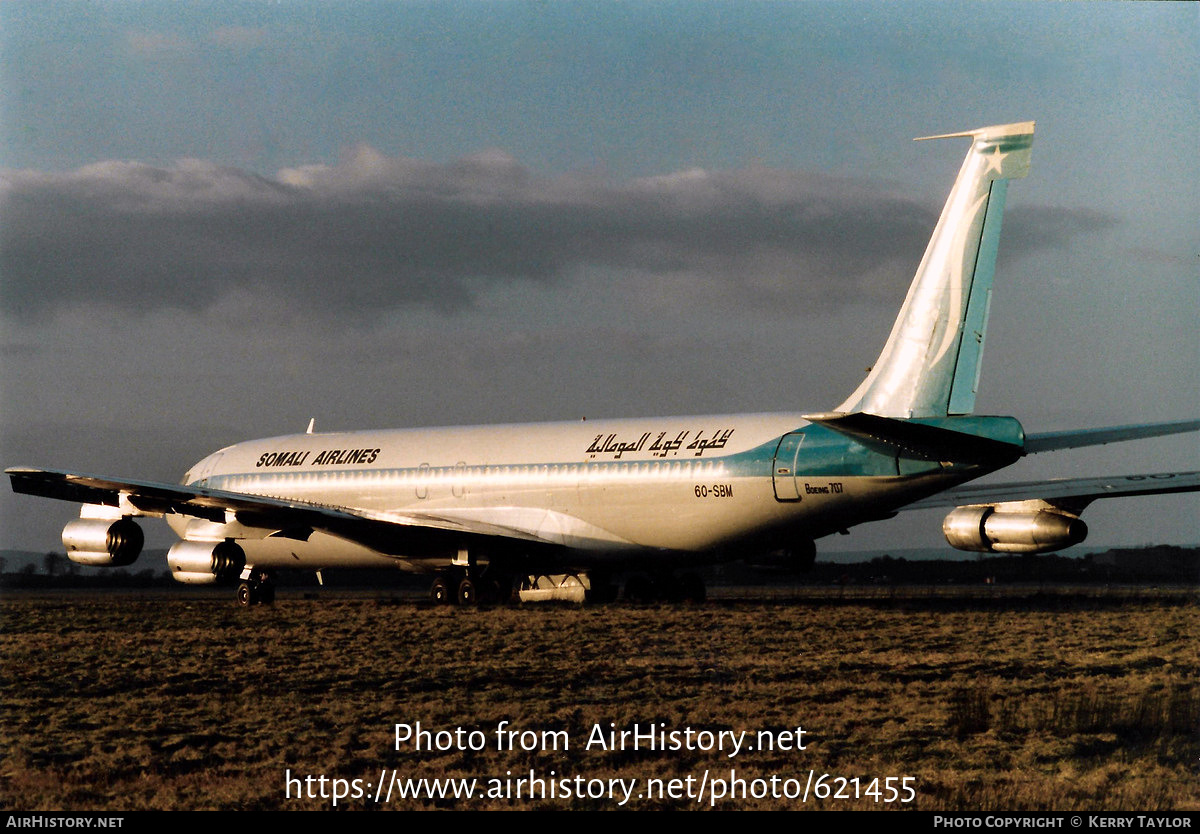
(605, 488)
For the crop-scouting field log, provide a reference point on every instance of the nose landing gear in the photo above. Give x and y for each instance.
(256, 588)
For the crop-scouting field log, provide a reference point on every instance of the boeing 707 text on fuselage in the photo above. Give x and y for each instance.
(561, 510)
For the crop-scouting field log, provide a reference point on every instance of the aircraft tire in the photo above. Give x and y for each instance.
(247, 594)
(439, 592)
(468, 594)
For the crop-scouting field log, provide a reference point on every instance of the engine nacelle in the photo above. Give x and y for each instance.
(991, 530)
(103, 542)
(205, 563)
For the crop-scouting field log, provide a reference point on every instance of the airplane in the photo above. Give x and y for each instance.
(558, 510)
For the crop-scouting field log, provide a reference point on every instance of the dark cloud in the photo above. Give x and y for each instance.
(374, 232)
(1040, 227)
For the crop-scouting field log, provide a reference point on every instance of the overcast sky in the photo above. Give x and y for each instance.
(218, 220)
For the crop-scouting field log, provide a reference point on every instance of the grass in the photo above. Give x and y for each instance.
(124, 702)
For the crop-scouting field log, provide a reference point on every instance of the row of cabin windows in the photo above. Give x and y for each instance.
(425, 476)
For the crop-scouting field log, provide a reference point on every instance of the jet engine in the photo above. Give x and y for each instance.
(991, 529)
(103, 542)
(205, 563)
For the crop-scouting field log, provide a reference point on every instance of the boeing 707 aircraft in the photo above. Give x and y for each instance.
(560, 510)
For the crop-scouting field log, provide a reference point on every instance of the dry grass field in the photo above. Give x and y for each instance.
(164, 701)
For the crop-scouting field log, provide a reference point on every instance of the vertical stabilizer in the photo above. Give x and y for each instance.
(930, 364)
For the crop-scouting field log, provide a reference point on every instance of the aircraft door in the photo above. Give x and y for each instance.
(783, 467)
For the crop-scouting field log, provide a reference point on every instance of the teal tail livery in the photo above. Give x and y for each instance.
(570, 510)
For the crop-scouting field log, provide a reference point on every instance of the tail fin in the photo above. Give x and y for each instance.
(930, 364)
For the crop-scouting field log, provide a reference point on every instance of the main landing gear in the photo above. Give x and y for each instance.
(255, 588)
(468, 586)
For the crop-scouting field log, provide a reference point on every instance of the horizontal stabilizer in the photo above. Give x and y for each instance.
(925, 440)
(1049, 441)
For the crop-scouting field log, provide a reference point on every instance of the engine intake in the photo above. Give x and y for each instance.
(991, 530)
(205, 563)
(99, 542)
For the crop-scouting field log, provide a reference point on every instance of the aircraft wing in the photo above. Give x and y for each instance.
(394, 534)
(1069, 493)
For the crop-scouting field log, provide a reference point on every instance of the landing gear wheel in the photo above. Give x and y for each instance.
(467, 593)
(247, 594)
(439, 592)
(256, 589)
